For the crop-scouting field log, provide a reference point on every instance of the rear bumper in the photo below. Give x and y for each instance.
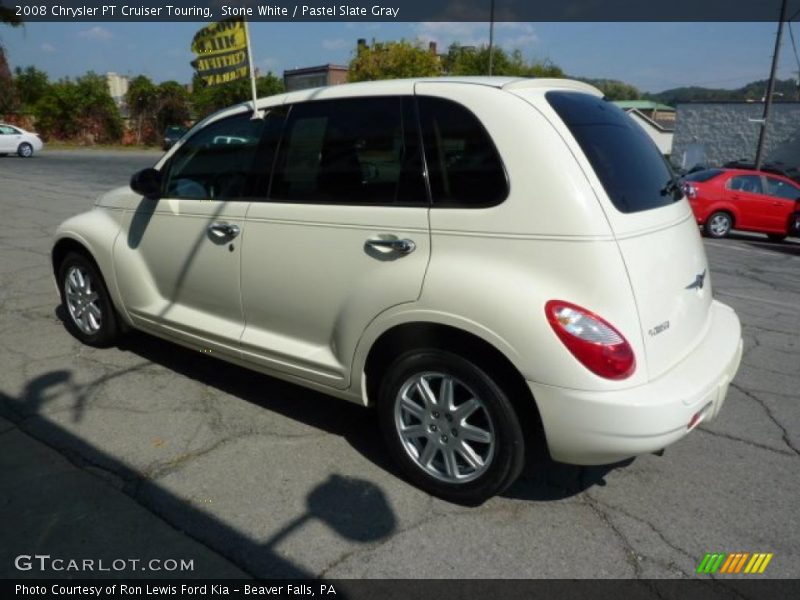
(591, 428)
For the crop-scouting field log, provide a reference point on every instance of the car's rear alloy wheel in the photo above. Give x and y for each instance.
(90, 314)
(719, 225)
(25, 150)
(450, 426)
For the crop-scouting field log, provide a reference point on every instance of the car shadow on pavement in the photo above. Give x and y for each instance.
(544, 481)
(355, 509)
(778, 248)
(552, 480)
(789, 246)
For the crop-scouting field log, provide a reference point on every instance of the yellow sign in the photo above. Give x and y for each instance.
(221, 50)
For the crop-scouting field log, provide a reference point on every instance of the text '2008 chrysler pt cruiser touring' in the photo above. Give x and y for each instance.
(495, 264)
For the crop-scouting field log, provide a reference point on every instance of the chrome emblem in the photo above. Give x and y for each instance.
(698, 282)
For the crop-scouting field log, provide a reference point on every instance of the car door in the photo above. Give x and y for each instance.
(178, 264)
(342, 236)
(747, 192)
(782, 198)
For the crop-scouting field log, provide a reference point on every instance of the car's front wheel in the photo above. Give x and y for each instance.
(25, 150)
(718, 225)
(450, 427)
(90, 314)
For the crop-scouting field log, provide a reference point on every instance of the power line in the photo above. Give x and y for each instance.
(794, 45)
(796, 56)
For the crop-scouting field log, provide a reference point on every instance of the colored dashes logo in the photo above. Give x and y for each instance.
(736, 563)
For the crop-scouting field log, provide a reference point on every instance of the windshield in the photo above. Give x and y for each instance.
(633, 172)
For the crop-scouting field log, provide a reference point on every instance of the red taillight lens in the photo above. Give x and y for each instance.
(592, 340)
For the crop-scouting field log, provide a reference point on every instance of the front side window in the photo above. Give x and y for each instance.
(7, 130)
(627, 162)
(782, 189)
(746, 183)
(217, 162)
(464, 168)
(350, 151)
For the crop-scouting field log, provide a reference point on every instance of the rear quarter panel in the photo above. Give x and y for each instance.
(497, 267)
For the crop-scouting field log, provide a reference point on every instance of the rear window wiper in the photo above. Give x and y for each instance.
(673, 188)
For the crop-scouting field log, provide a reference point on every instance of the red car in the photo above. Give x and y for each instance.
(724, 199)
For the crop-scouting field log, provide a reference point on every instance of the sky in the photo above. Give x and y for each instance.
(651, 56)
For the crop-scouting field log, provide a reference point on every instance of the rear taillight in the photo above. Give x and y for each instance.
(689, 190)
(592, 340)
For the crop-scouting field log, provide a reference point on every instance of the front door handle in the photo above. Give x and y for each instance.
(223, 230)
(404, 246)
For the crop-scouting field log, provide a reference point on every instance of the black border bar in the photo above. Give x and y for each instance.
(402, 10)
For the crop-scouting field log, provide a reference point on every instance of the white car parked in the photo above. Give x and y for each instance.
(15, 140)
(496, 264)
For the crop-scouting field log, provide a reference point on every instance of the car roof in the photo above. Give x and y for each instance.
(408, 86)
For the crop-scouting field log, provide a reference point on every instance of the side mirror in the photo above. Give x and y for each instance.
(147, 182)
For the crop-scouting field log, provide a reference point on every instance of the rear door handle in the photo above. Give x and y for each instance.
(222, 230)
(404, 246)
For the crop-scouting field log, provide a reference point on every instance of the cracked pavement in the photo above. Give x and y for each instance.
(178, 453)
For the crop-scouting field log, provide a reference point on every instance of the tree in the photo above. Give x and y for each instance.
(31, 84)
(173, 106)
(80, 109)
(142, 101)
(8, 95)
(9, 16)
(461, 60)
(392, 60)
(614, 89)
(207, 100)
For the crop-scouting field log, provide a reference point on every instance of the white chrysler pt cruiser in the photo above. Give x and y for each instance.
(496, 264)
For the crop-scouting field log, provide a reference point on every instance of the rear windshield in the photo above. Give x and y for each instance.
(633, 172)
(701, 176)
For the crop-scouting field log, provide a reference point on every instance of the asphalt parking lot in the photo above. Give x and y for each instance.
(148, 449)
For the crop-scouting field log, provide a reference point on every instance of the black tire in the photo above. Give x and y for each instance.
(507, 454)
(718, 225)
(25, 150)
(776, 237)
(107, 332)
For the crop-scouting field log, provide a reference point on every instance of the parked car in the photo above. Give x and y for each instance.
(498, 265)
(172, 134)
(724, 199)
(15, 140)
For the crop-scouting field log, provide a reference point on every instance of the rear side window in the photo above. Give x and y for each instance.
(464, 168)
(746, 183)
(703, 176)
(633, 172)
(351, 151)
(782, 189)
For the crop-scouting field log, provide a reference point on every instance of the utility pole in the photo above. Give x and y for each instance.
(770, 87)
(491, 36)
